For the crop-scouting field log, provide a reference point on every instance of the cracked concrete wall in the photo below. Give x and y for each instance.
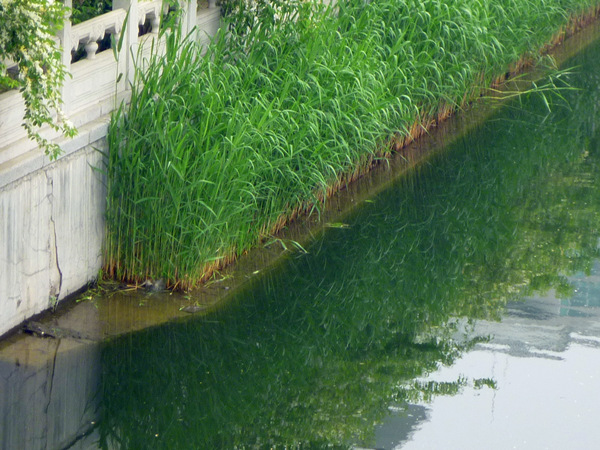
(51, 231)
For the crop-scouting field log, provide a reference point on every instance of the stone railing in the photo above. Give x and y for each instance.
(99, 81)
(91, 31)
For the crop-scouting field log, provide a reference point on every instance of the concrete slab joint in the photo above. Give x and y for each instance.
(55, 272)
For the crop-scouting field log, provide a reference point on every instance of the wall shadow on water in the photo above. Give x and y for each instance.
(314, 352)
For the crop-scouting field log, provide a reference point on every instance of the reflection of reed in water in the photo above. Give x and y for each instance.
(313, 351)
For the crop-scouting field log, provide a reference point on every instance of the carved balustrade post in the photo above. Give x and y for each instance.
(64, 36)
(188, 21)
(130, 41)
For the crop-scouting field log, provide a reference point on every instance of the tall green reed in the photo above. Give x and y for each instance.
(220, 145)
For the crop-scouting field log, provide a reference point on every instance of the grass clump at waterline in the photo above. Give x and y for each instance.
(218, 147)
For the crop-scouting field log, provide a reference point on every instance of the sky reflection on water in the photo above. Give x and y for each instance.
(545, 362)
(544, 354)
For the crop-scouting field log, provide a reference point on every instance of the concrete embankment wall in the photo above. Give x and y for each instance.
(52, 221)
(52, 212)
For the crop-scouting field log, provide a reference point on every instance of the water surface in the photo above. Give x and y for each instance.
(316, 352)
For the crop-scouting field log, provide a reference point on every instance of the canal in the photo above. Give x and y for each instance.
(457, 308)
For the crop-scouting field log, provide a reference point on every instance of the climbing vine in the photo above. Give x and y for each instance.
(27, 37)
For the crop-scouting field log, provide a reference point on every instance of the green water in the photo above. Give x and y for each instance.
(315, 351)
